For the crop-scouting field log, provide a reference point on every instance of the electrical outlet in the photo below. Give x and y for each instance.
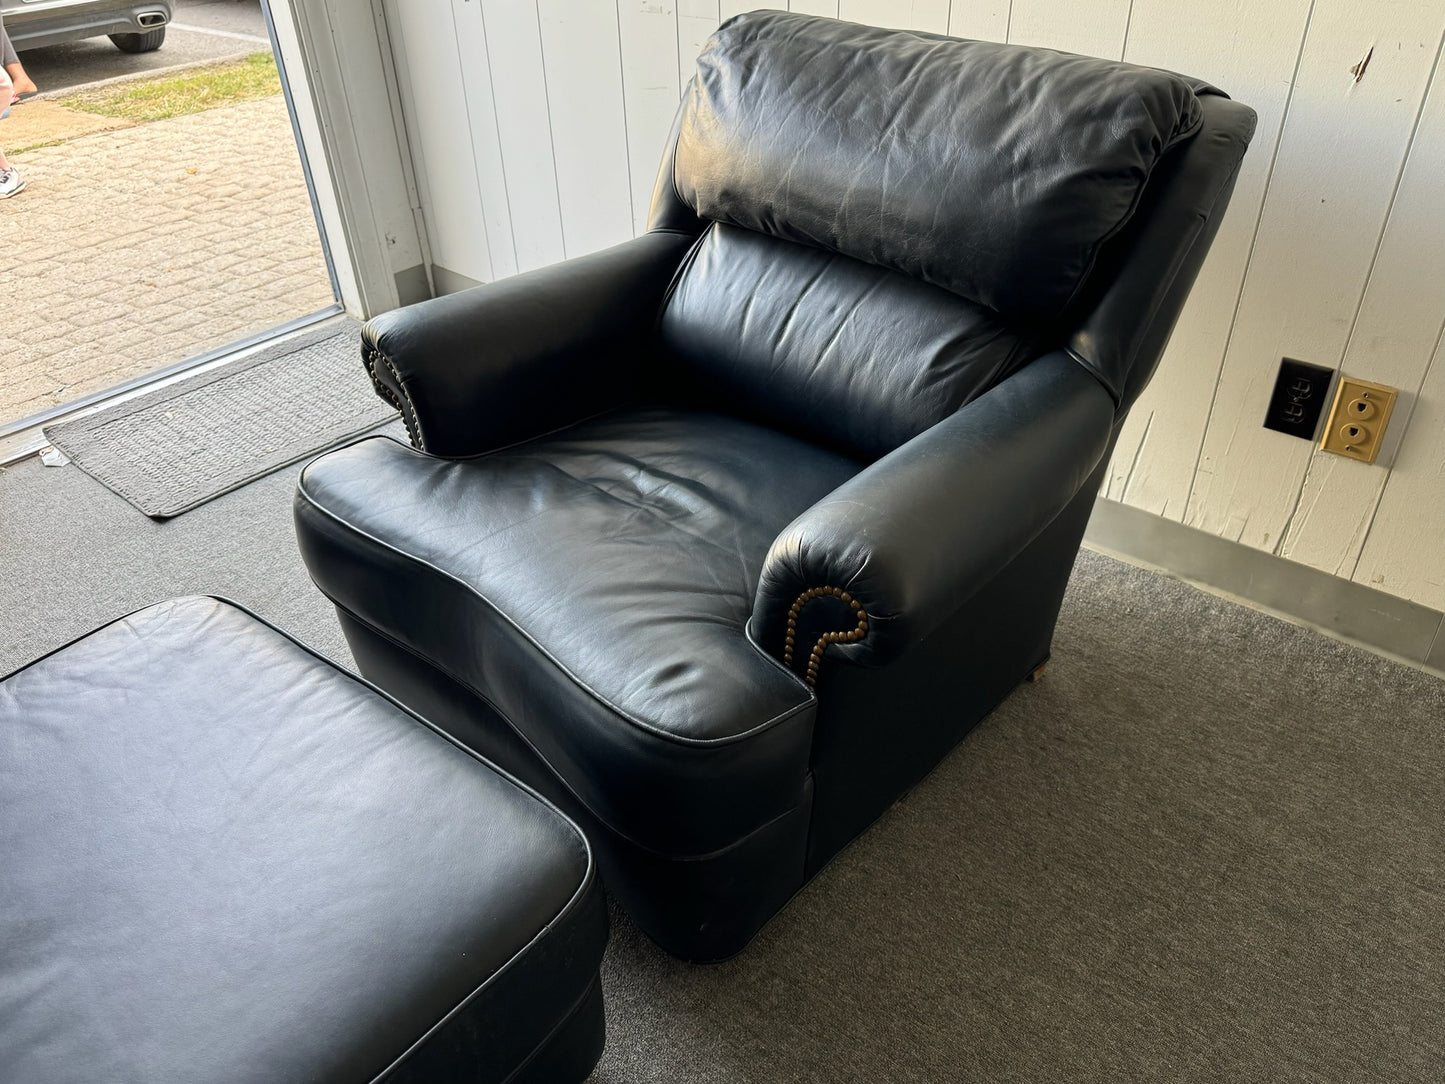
(1300, 393)
(1357, 420)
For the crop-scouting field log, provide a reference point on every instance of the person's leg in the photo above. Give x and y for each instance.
(11, 63)
(10, 181)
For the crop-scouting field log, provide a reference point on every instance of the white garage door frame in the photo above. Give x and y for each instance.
(335, 58)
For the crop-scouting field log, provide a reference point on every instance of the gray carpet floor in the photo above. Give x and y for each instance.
(1208, 846)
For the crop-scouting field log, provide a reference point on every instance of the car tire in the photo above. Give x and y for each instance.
(148, 42)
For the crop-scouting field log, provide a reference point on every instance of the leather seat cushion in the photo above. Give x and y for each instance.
(594, 587)
(226, 858)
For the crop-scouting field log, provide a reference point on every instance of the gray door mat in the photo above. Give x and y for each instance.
(186, 444)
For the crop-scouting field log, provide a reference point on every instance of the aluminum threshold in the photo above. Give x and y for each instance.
(25, 437)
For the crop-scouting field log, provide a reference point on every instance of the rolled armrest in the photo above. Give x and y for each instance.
(509, 360)
(881, 561)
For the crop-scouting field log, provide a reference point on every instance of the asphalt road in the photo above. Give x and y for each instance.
(201, 30)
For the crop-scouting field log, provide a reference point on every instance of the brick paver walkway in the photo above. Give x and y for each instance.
(133, 249)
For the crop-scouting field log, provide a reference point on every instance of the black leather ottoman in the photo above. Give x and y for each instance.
(224, 858)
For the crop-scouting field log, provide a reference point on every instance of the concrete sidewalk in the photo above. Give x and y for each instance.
(135, 248)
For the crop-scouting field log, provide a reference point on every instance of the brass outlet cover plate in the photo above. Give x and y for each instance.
(1357, 421)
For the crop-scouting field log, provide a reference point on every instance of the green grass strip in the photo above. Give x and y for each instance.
(184, 92)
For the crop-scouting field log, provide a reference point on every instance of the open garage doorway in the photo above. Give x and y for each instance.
(168, 217)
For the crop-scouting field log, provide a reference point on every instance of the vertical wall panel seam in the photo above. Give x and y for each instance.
(471, 128)
(1253, 244)
(1278, 548)
(1138, 451)
(677, 41)
(551, 129)
(626, 135)
(1128, 24)
(1439, 632)
(501, 154)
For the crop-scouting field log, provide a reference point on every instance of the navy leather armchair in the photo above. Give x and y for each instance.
(723, 537)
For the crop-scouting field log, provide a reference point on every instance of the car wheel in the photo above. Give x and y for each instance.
(140, 43)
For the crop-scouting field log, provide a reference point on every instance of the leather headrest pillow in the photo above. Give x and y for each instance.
(993, 171)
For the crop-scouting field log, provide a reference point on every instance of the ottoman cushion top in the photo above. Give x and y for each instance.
(225, 858)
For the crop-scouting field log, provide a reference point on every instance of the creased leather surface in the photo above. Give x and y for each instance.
(507, 360)
(852, 355)
(628, 550)
(994, 171)
(919, 531)
(224, 859)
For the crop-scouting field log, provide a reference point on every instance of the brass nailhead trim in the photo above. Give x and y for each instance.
(405, 408)
(815, 658)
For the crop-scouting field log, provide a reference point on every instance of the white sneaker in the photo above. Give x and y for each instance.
(10, 182)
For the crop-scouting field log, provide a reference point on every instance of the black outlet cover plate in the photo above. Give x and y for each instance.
(1300, 396)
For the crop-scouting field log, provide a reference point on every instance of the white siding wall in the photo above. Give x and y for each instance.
(537, 125)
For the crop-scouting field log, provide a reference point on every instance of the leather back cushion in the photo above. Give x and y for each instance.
(993, 171)
(854, 356)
